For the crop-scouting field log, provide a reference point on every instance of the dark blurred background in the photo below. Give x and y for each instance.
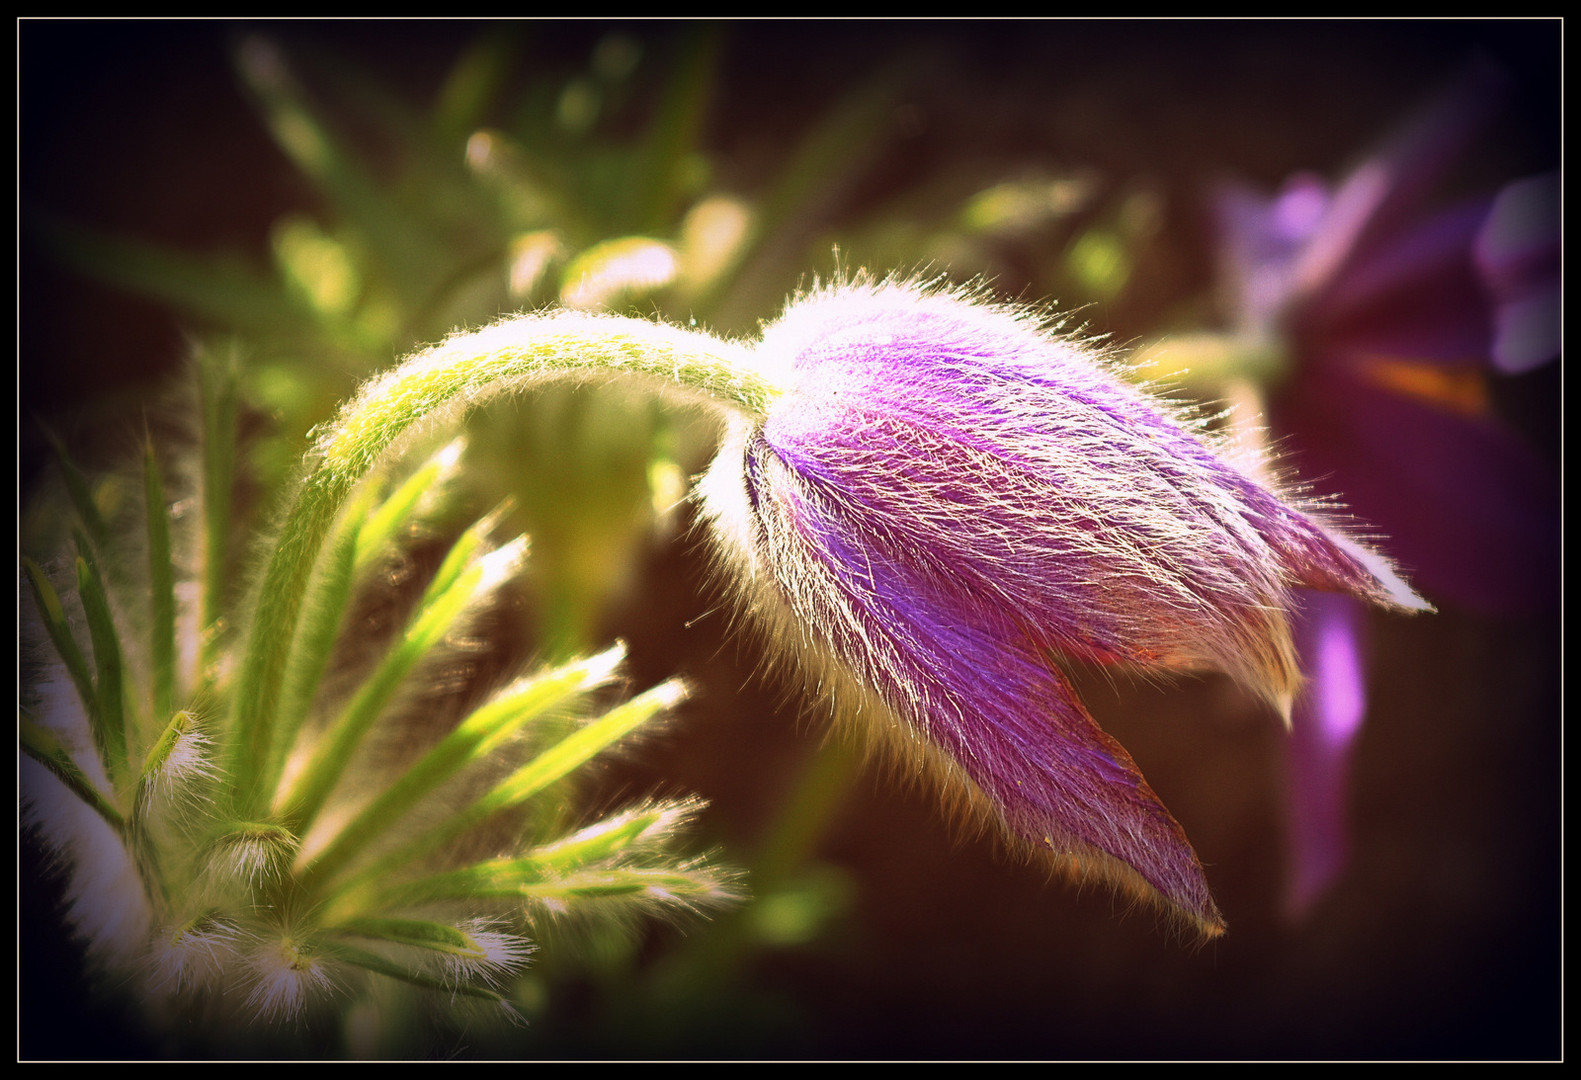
(1443, 938)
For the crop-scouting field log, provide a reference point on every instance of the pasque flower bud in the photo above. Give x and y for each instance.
(947, 500)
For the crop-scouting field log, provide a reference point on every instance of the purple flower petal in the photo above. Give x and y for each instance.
(1327, 717)
(1527, 332)
(946, 497)
(1418, 297)
(980, 704)
(1388, 187)
(1518, 254)
(1261, 239)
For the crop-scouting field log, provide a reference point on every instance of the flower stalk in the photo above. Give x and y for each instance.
(463, 372)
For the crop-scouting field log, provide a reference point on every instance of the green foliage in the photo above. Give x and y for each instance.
(257, 878)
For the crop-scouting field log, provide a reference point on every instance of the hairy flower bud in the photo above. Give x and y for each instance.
(947, 499)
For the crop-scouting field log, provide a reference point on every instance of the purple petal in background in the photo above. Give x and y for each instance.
(1327, 717)
(1518, 254)
(1469, 510)
(1392, 183)
(1418, 297)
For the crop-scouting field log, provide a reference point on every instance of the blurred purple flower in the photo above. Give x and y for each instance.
(946, 498)
(1390, 319)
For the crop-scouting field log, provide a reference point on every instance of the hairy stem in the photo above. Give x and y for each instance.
(461, 372)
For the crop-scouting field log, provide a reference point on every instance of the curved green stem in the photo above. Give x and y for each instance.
(463, 371)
